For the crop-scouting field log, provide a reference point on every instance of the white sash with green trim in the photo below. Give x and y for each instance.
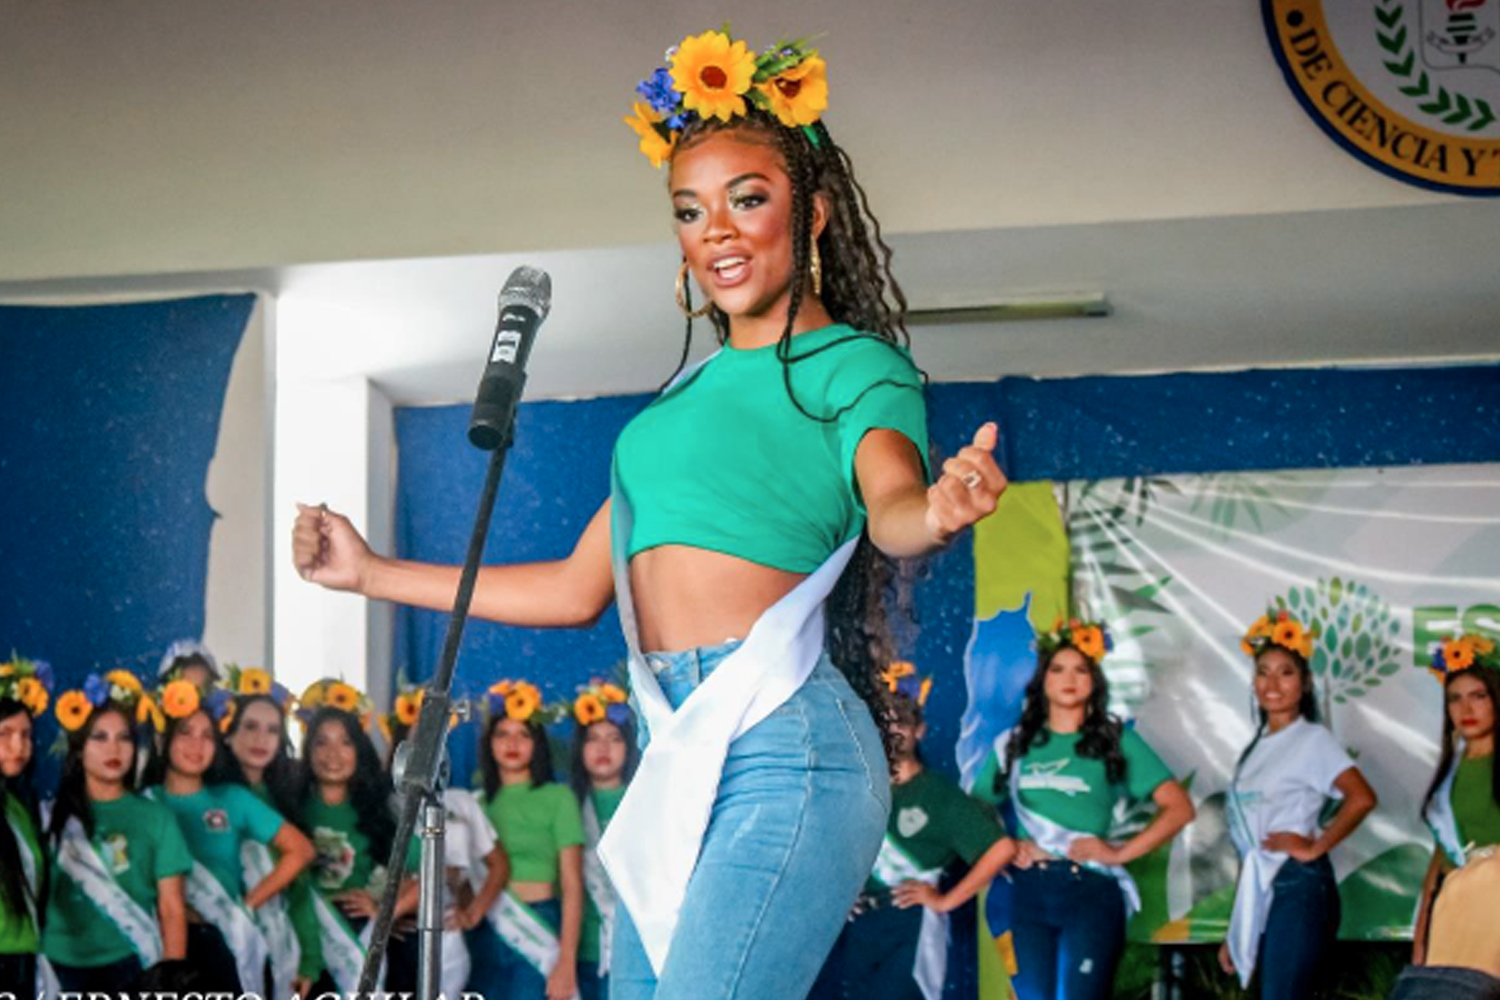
(274, 920)
(894, 866)
(46, 979)
(208, 896)
(343, 950)
(1441, 819)
(524, 932)
(1253, 892)
(596, 880)
(83, 864)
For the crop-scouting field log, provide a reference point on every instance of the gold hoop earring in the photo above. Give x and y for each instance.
(815, 269)
(682, 280)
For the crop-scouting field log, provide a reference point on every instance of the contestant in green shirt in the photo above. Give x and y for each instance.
(129, 852)
(539, 823)
(216, 820)
(1471, 690)
(605, 756)
(22, 862)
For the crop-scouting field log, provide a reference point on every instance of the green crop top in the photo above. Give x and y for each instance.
(725, 461)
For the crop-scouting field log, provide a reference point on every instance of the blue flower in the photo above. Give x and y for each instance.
(1109, 641)
(617, 713)
(1438, 662)
(43, 673)
(96, 690)
(656, 90)
(218, 701)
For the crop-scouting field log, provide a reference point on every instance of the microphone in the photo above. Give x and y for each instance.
(524, 303)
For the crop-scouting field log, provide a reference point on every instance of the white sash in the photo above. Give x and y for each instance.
(596, 880)
(1056, 839)
(1441, 819)
(343, 950)
(274, 920)
(206, 895)
(526, 933)
(1253, 894)
(894, 866)
(81, 861)
(652, 844)
(46, 979)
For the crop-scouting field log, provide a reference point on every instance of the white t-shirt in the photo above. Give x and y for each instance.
(468, 835)
(1284, 783)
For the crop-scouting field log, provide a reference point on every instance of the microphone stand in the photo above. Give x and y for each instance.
(422, 772)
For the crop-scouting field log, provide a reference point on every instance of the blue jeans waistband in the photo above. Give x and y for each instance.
(680, 672)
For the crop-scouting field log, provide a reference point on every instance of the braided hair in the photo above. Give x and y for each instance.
(859, 291)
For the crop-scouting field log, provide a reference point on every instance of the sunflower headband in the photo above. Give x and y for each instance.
(1277, 628)
(407, 707)
(713, 76)
(1089, 638)
(521, 701)
(118, 688)
(901, 678)
(601, 701)
(27, 681)
(329, 693)
(1463, 653)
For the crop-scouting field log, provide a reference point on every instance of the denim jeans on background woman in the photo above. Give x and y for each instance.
(796, 826)
(1300, 929)
(1069, 929)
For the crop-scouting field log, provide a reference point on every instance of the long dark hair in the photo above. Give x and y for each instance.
(858, 290)
(1098, 739)
(1307, 705)
(160, 757)
(1491, 681)
(541, 755)
(15, 893)
(578, 775)
(369, 791)
(284, 779)
(72, 791)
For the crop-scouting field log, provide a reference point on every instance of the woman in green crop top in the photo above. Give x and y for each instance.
(23, 870)
(805, 431)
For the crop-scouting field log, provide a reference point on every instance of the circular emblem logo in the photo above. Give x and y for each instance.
(1411, 87)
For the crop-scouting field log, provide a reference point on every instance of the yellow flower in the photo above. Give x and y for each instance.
(7, 668)
(31, 695)
(1481, 645)
(342, 697)
(1458, 655)
(612, 694)
(1090, 642)
(501, 688)
(255, 681)
(228, 719)
(124, 680)
(407, 707)
(1305, 649)
(522, 702)
(656, 149)
(384, 723)
(179, 699)
(799, 96)
(73, 710)
(925, 691)
(1288, 634)
(312, 698)
(712, 74)
(588, 709)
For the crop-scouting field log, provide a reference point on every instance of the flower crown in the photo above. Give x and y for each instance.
(1091, 639)
(407, 707)
(1278, 628)
(179, 699)
(1464, 652)
(601, 701)
(27, 681)
(521, 701)
(120, 688)
(330, 693)
(901, 678)
(713, 76)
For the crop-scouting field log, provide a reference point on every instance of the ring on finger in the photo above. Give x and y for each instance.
(971, 479)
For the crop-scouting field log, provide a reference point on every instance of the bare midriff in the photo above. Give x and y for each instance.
(532, 892)
(687, 597)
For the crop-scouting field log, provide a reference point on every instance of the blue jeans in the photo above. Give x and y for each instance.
(1438, 982)
(799, 817)
(497, 971)
(875, 957)
(1300, 928)
(1069, 928)
(591, 985)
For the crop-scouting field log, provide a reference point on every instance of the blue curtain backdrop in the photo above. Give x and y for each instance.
(108, 420)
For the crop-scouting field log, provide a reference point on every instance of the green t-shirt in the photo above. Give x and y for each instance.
(18, 934)
(140, 844)
(606, 801)
(344, 859)
(534, 824)
(1072, 791)
(725, 460)
(935, 823)
(300, 911)
(215, 821)
(1473, 800)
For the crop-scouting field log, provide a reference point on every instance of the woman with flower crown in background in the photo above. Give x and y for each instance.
(1286, 906)
(762, 496)
(528, 947)
(24, 695)
(1463, 802)
(115, 901)
(227, 945)
(1061, 771)
(604, 759)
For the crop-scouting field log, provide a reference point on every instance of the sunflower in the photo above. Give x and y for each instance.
(228, 718)
(893, 673)
(7, 668)
(1481, 645)
(1458, 655)
(501, 688)
(73, 710)
(407, 707)
(312, 698)
(1288, 634)
(255, 681)
(523, 701)
(612, 694)
(125, 681)
(32, 695)
(588, 709)
(644, 121)
(179, 699)
(924, 691)
(799, 96)
(712, 74)
(1090, 642)
(343, 697)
